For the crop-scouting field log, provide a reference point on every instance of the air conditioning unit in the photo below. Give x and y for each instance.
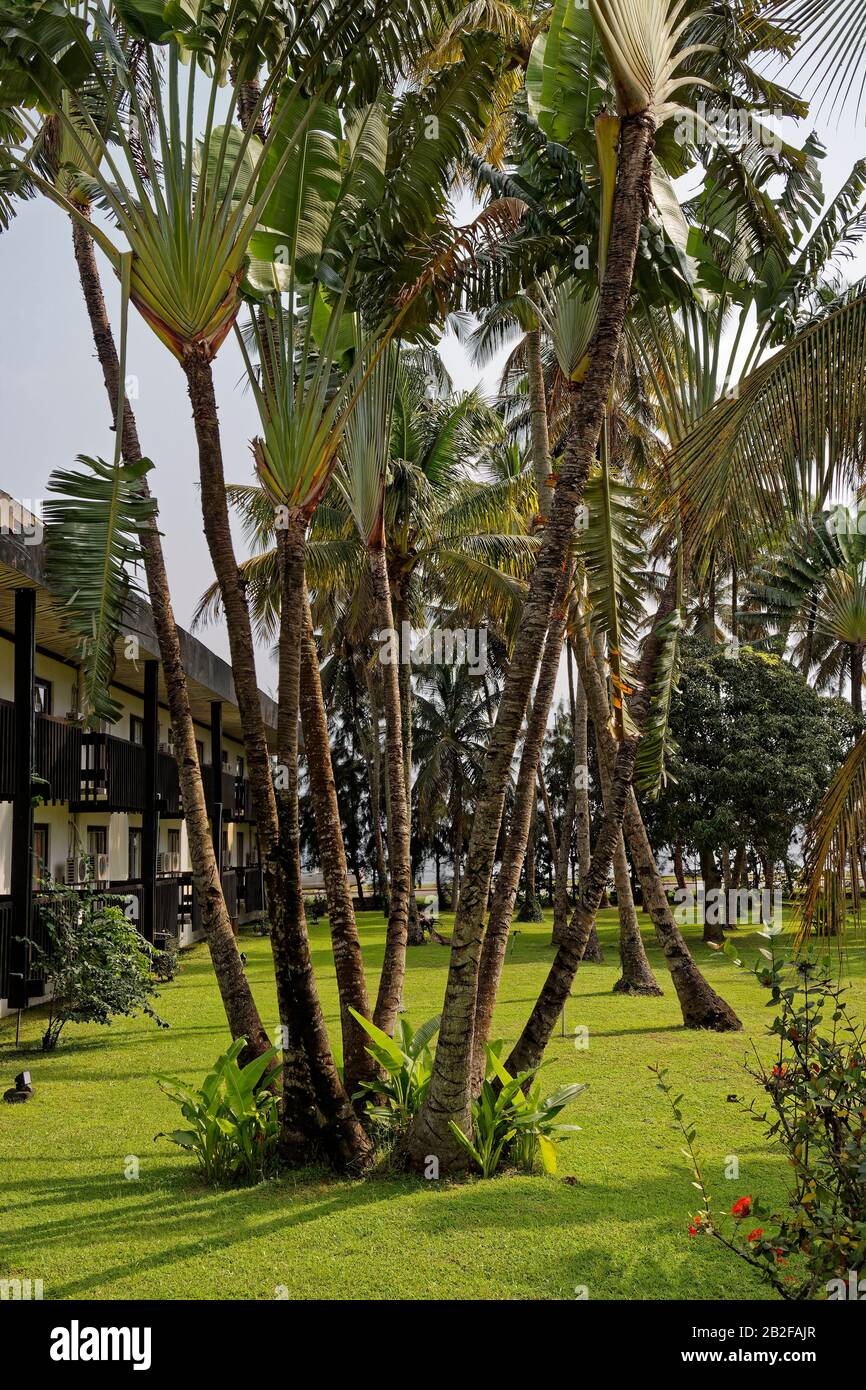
(166, 748)
(102, 870)
(160, 863)
(76, 869)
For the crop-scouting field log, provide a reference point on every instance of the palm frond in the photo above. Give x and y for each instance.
(832, 849)
(92, 543)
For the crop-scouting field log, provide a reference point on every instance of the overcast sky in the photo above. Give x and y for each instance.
(53, 405)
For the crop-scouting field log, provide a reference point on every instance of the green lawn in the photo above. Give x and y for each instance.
(69, 1217)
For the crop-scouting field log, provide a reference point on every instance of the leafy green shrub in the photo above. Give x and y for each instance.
(816, 1087)
(506, 1121)
(406, 1063)
(98, 962)
(234, 1118)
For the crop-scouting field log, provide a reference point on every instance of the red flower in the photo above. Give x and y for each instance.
(742, 1207)
(694, 1230)
(755, 1235)
(780, 1258)
(779, 1071)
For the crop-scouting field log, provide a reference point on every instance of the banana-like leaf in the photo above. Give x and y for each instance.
(91, 538)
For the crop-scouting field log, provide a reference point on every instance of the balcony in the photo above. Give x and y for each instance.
(96, 771)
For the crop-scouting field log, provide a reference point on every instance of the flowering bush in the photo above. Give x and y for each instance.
(816, 1088)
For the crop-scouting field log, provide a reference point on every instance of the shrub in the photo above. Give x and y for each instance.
(816, 1086)
(98, 962)
(406, 1064)
(508, 1121)
(234, 1117)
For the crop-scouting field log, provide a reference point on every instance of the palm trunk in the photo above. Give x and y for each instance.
(376, 796)
(593, 953)
(449, 1095)
(296, 987)
(457, 853)
(415, 931)
(699, 1004)
(297, 994)
(529, 1048)
(560, 895)
(550, 828)
(538, 426)
(217, 531)
(637, 975)
(679, 868)
(530, 910)
(505, 894)
(348, 961)
(241, 1012)
(713, 930)
(394, 964)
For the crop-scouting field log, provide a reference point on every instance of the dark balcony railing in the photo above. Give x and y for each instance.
(168, 894)
(96, 770)
(7, 744)
(58, 757)
(37, 934)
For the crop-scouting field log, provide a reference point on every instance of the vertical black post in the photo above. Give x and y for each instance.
(150, 818)
(216, 757)
(22, 798)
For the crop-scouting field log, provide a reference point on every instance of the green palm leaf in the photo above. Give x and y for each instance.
(92, 540)
(834, 840)
(794, 428)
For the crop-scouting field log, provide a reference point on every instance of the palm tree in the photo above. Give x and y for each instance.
(175, 222)
(84, 511)
(449, 740)
(649, 36)
(813, 593)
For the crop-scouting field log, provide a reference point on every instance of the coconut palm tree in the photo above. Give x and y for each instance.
(644, 48)
(812, 594)
(449, 740)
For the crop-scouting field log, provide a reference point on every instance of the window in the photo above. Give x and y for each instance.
(173, 856)
(199, 748)
(239, 767)
(41, 870)
(239, 849)
(136, 729)
(225, 757)
(97, 850)
(134, 868)
(97, 840)
(225, 860)
(42, 695)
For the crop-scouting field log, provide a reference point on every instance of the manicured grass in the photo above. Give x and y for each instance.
(69, 1216)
